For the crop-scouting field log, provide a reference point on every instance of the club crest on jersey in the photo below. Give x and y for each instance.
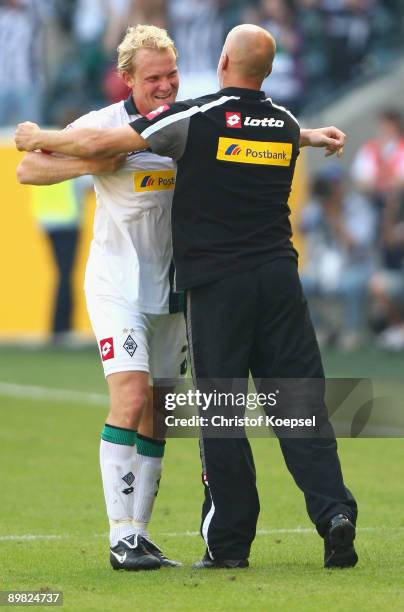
(130, 345)
(155, 113)
(233, 120)
(154, 180)
(254, 152)
(107, 349)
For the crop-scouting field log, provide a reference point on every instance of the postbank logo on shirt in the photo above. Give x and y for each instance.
(254, 152)
(154, 180)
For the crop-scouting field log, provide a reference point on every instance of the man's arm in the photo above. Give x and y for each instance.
(330, 138)
(95, 142)
(80, 142)
(39, 169)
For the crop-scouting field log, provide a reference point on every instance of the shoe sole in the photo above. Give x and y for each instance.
(200, 565)
(341, 542)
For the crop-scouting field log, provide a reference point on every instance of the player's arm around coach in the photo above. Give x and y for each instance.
(39, 168)
(107, 143)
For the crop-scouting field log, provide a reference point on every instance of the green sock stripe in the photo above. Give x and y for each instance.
(118, 435)
(149, 447)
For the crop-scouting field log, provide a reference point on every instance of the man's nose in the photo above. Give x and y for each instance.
(165, 84)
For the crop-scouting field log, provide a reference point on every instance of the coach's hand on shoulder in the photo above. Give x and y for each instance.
(107, 165)
(330, 138)
(26, 136)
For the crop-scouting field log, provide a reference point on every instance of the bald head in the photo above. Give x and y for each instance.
(247, 56)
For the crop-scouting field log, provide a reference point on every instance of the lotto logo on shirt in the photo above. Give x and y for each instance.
(254, 152)
(154, 180)
(107, 348)
(233, 120)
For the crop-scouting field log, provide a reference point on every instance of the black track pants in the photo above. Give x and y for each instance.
(258, 321)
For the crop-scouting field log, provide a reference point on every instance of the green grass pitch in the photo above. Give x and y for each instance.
(50, 487)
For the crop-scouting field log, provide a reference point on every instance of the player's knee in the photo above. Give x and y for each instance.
(128, 401)
(132, 405)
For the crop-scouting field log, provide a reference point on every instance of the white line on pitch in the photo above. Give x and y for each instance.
(53, 395)
(29, 536)
(181, 534)
(263, 532)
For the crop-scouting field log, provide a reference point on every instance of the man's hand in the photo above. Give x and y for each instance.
(26, 136)
(330, 138)
(106, 165)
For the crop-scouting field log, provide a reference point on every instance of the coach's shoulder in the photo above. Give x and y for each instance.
(201, 100)
(283, 112)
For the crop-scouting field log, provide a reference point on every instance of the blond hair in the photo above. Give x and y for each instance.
(141, 37)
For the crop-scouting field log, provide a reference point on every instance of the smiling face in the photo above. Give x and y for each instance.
(154, 80)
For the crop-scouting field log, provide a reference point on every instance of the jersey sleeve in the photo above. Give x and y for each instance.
(166, 129)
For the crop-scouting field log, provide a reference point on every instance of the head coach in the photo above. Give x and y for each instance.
(236, 152)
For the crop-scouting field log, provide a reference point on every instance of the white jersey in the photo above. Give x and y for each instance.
(131, 250)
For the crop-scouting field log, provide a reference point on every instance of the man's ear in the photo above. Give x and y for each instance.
(224, 61)
(269, 72)
(128, 79)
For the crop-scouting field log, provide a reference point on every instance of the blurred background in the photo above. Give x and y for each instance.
(338, 62)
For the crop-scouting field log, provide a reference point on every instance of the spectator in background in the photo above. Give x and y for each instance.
(286, 79)
(323, 44)
(340, 229)
(347, 26)
(343, 40)
(387, 284)
(378, 171)
(234, 12)
(378, 168)
(22, 72)
(153, 12)
(387, 26)
(97, 28)
(198, 33)
(313, 48)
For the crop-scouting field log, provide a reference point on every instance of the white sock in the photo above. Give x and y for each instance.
(148, 474)
(119, 530)
(118, 474)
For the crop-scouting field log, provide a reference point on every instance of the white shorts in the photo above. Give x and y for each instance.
(129, 340)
